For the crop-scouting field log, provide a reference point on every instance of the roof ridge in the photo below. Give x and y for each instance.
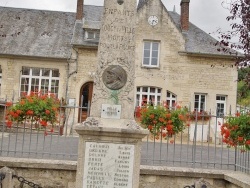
(34, 9)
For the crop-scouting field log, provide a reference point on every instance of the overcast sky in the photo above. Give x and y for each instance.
(208, 15)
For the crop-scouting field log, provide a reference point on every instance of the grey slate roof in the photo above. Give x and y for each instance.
(141, 3)
(93, 13)
(35, 32)
(197, 41)
(51, 34)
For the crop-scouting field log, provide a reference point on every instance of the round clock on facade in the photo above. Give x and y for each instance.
(153, 20)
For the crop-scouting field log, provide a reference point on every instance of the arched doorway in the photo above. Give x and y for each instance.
(85, 101)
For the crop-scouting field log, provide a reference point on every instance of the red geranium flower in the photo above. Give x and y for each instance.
(150, 127)
(168, 116)
(240, 138)
(8, 103)
(237, 114)
(43, 123)
(22, 102)
(47, 112)
(30, 112)
(152, 116)
(18, 112)
(164, 134)
(161, 119)
(248, 142)
(169, 127)
(9, 124)
(15, 115)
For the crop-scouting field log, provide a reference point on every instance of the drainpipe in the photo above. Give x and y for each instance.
(74, 72)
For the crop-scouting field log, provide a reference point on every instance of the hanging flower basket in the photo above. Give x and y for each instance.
(161, 121)
(36, 108)
(236, 131)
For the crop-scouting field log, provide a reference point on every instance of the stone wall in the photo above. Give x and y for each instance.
(53, 173)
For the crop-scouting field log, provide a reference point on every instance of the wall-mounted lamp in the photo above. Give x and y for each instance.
(120, 2)
(91, 74)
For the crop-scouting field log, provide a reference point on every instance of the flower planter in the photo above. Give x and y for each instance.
(199, 132)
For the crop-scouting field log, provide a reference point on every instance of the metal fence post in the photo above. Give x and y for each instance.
(235, 159)
(7, 182)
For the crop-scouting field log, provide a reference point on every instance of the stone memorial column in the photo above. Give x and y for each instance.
(110, 139)
(113, 94)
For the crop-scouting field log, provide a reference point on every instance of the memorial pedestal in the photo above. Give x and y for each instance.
(108, 157)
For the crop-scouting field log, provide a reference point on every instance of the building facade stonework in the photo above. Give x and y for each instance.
(172, 65)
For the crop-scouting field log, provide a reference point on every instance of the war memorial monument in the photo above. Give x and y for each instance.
(110, 139)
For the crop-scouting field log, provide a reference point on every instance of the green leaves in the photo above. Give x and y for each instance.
(236, 131)
(162, 121)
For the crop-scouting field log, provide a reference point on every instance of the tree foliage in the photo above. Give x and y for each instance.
(243, 90)
(240, 28)
(242, 73)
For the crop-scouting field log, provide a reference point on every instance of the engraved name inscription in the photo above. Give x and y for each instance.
(108, 165)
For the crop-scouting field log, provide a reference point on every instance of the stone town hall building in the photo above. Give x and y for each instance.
(57, 52)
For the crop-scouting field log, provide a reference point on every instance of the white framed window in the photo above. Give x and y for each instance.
(171, 99)
(200, 102)
(148, 95)
(151, 50)
(220, 105)
(39, 79)
(92, 34)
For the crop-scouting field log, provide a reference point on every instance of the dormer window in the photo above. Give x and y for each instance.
(92, 34)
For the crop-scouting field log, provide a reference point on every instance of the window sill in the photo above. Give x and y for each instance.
(147, 67)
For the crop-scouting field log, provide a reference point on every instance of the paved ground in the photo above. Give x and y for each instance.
(153, 153)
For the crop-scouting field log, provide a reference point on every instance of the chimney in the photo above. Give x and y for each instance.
(185, 15)
(79, 11)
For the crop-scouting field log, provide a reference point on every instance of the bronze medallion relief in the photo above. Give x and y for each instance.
(114, 77)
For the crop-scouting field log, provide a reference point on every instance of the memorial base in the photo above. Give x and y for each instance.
(108, 157)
